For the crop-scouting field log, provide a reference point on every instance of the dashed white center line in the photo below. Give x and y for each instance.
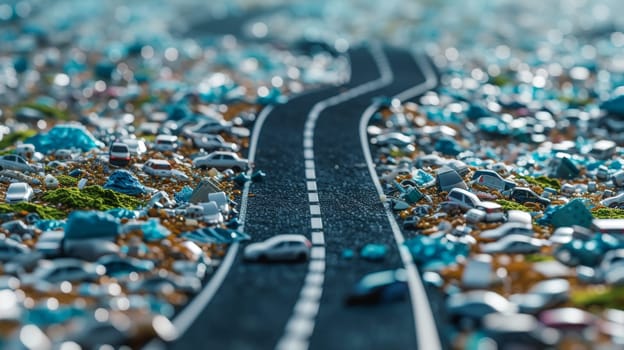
(316, 223)
(315, 278)
(300, 326)
(311, 185)
(313, 197)
(312, 292)
(318, 238)
(318, 253)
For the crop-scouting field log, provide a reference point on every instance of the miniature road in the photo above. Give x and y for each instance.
(261, 306)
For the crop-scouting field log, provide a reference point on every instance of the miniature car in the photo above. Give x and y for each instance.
(19, 192)
(64, 269)
(213, 142)
(135, 146)
(119, 154)
(464, 198)
(121, 266)
(211, 126)
(514, 243)
(523, 195)
(280, 247)
(614, 201)
(162, 168)
(447, 179)
(392, 138)
(492, 179)
(15, 162)
(9, 249)
(221, 160)
(475, 304)
(493, 211)
(379, 287)
(508, 228)
(165, 143)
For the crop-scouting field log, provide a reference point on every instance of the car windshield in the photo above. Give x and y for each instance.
(16, 189)
(119, 148)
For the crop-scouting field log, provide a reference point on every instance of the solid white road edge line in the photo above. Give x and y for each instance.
(426, 330)
(187, 316)
(300, 326)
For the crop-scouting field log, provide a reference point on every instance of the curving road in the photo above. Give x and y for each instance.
(318, 184)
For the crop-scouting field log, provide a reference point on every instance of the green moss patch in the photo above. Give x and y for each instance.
(542, 181)
(608, 213)
(67, 180)
(510, 205)
(91, 197)
(608, 297)
(11, 139)
(44, 211)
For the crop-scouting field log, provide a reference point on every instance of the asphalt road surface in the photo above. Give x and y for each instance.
(257, 305)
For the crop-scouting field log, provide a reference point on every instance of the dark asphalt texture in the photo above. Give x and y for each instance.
(251, 308)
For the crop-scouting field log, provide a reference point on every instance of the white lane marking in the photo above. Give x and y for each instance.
(301, 326)
(296, 336)
(318, 238)
(307, 307)
(309, 164)
(315, 278)
(317, 253)
(316, 223)
(425, 327)
(311, 185)
(313, 197)
(187, 316)
(315, 209)
(311, 292)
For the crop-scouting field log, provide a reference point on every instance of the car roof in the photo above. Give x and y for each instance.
(164, 137)
(287, 238)
(489, 205)
(158, 161)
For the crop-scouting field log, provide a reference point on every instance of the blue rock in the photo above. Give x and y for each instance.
(91, 224)
(374, 252)
(122, 213)
(448, 146)
(49, 225)
(566, 169)
(154, 231)
(104, 70)
(75, 173)
(258, 175)
(477, 111)
(123, 181)
(241, 178)
(65, 136)
(184, 195)
(20, 64)
(614, 106)
(348, 254)
(215, 235)
(428, 250)
(573, 213)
